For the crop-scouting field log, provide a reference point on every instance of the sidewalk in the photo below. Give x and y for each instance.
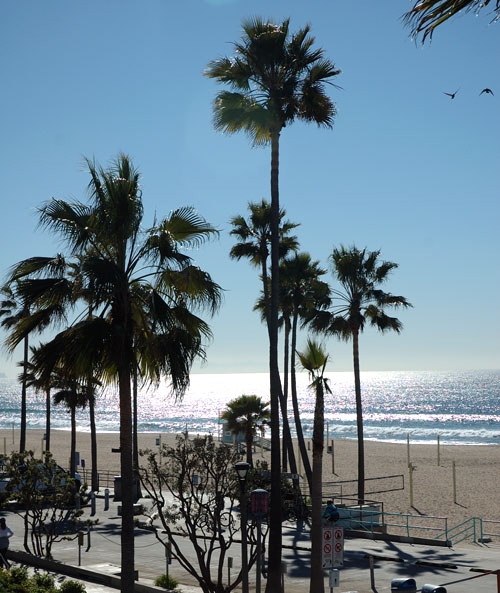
(427, 564)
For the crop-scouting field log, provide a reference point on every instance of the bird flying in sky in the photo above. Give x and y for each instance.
(452, 95)
(487, 91)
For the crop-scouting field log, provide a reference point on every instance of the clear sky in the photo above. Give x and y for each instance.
(406, 169)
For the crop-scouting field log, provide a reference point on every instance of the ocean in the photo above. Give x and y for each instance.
(462, 407)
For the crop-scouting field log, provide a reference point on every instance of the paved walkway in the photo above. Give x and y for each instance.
(450, 567)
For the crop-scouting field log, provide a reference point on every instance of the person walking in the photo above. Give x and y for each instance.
(5, 534)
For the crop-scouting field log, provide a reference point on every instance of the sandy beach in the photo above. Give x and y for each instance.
(477, 471)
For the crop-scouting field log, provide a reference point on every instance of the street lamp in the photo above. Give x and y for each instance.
(242, 468)
(259, 504)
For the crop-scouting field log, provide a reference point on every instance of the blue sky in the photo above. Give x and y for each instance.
(405, 169)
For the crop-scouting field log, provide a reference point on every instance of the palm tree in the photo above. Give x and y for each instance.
(73, 395)
(23, 313)
(255, 240)
(360, 274)
(426, 15)
(314, 360)
(246, 414)
(143, 285)
(301, 291)
(13, 310)
(40, 383)
(255, 245)
(277, 77)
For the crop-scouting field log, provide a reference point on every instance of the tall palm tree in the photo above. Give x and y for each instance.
(313, 359)
(426, 15)
(255, 245)
(360, 274)
(143, 284)
(246, 414)
(277, 77)
(301, 290)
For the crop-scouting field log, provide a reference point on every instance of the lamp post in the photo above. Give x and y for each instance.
(259, 503)
(242, 468)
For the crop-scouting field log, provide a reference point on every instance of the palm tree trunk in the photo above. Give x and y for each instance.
(72, 464)
(47, 419)
(287, 437)
(359, 417)
(296, 412)
(93, 443)
(135, 439)
(127, 481)
(22, 440)
(288, 452)
(249, 445)
(275, 537)
(284, 405)
(317, 580)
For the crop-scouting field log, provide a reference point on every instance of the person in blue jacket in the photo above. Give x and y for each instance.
(331, 513)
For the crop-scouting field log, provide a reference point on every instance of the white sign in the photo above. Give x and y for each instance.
(338, 547)
(327, 547)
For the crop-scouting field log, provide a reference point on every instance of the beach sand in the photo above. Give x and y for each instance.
(477, 471)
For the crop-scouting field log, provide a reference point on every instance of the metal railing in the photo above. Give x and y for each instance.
(106, 478)
(474, 529)
(372, 517)
(347, 489)
(488, 526)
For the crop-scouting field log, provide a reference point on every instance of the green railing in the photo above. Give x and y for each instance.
(474, 529)
(372, 518)
(470, 529)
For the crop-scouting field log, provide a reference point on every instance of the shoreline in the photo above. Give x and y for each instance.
(431, 443)
(463, 485)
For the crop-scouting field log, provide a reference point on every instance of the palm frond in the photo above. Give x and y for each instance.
(426, 15)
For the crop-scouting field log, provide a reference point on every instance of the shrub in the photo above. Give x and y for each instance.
(166, 582)
(19, 574)
(71, 586)
(44, 581)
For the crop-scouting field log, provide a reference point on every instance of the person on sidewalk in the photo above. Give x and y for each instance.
(5, 534)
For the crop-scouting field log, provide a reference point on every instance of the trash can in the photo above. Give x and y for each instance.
(433, 589)
(408, 585)
(118, 488)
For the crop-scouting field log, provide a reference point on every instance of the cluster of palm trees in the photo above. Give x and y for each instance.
(125, 300)
(274, 78)
(125, 297)
(307, 301)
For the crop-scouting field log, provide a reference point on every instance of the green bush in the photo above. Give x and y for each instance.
(71, 586)
(44, 582)
(18, 574)
(166, 582)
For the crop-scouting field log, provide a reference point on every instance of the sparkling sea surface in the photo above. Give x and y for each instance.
(462, 407)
